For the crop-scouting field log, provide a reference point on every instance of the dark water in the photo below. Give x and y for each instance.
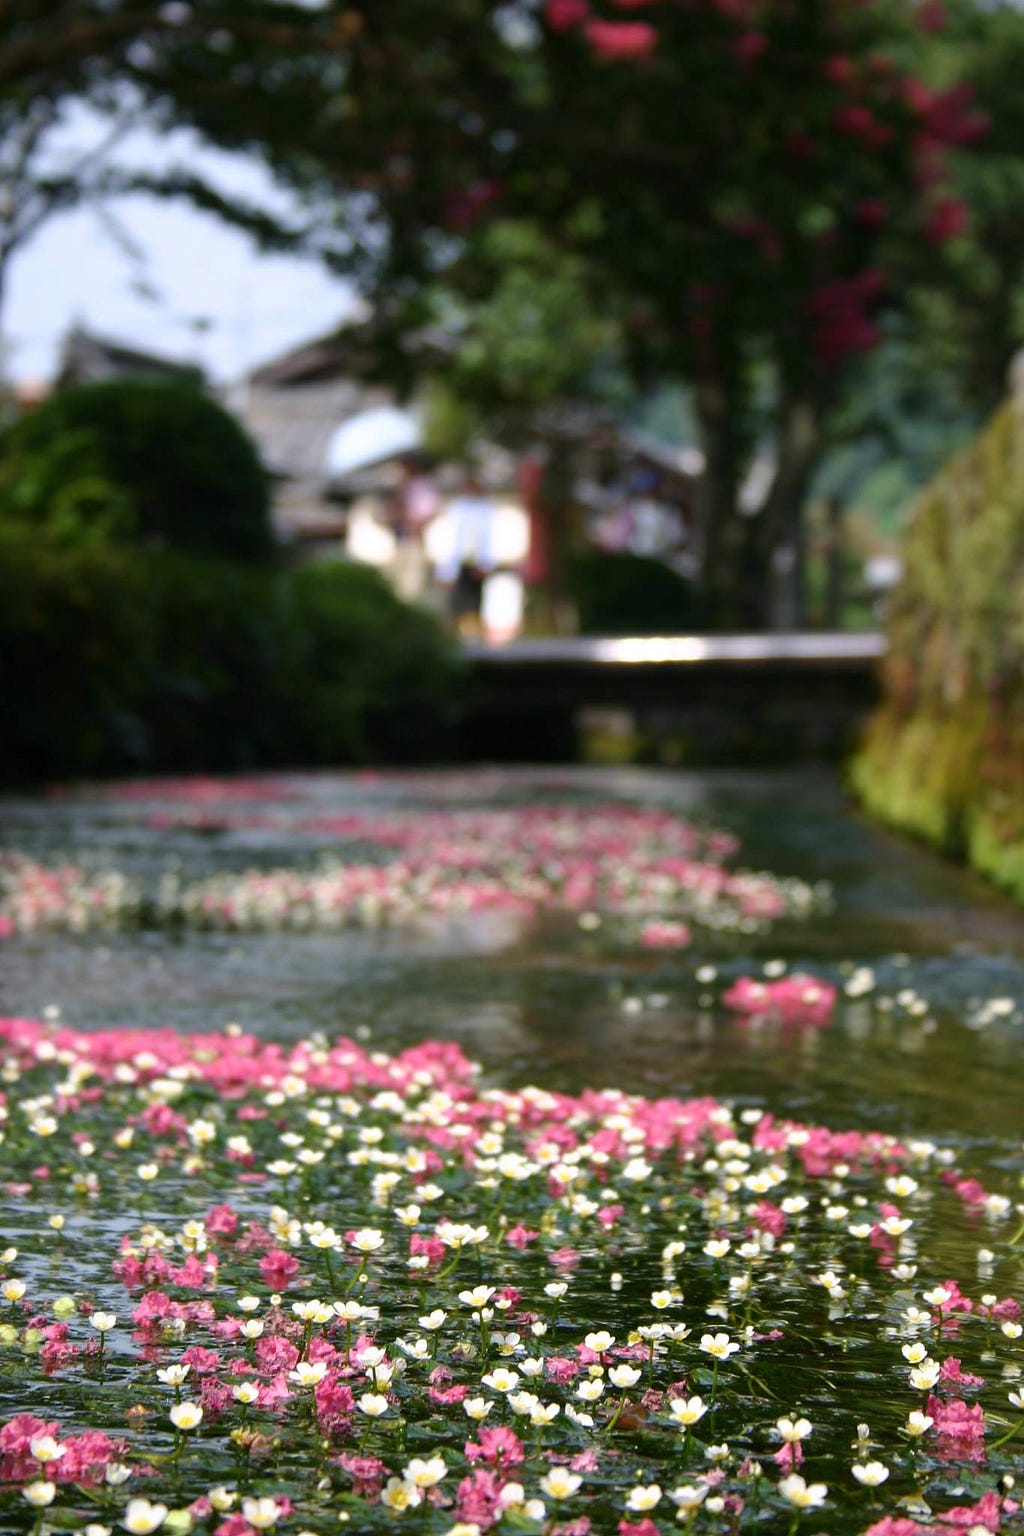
(545, 1001)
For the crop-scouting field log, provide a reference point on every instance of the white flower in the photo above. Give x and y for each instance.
(719, 1345)
(624, 1376)
(792, 1430)
(801, 1494)
(399, 1495)
(599, 1342)
(560, 1483)
(688, 1498)
(367, 1239)
(174, 1375)
(918, 1423)
(307, 1373)
(39, 1494)
(643, 1497)
(45, 1448)
(687, 1410)
(103, 1321)
(425, 1473)
(478, 1297)
(261, 1513)
(246, 1392)
(186, 1415)
(501, 1380)
(924, 1376)
(870, 1473)
(141, 1517)
(476, 1407)
(372, 1404)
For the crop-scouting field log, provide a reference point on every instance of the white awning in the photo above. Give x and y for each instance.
(370, 438)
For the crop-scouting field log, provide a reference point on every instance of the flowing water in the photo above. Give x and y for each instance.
(926, 1041)
(543, 1001)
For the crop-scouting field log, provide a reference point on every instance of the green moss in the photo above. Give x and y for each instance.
(943, 757)
(992, 855)
(917, 772)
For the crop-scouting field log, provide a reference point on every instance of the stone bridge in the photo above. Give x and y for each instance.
(673, 698)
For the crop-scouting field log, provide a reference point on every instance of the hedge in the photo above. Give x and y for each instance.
(115, 659)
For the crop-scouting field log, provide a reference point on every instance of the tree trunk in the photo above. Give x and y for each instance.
(726, 578)
(780, 535)
(834, 582)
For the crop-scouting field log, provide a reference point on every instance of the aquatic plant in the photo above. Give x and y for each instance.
(640, 863)
(254, 1287)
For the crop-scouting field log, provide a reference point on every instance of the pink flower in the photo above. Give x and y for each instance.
(564, 15)
(951, 1371)
(478, 1499)
(664, 935)
(278, 1269)
(498, 1446)
(520, 1237)
(985, 1513)
(769, 1218)
(947, 219)
(367, 1473)
(221, 1221)
(617, 40)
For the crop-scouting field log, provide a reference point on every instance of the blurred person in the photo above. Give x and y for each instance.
(414, 505)
(469, 555)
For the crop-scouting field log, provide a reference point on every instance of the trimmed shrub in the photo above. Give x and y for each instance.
(161, 463)
(114, 660)
(374, 677)
(621, 594)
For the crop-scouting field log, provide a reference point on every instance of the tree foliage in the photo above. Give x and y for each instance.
(250, 75)
(748, 183)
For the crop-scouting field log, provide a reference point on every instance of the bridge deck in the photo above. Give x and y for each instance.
(831, 648)
(740, 697)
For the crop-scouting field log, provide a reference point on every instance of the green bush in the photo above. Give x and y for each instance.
(160, 463)
(374, 675)
(621, 594)
(114, 660)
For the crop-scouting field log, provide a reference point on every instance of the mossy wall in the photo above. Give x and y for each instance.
(943, 756)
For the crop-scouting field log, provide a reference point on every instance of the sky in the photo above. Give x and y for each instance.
(213, 298)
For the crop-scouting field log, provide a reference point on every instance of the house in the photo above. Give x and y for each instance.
(298, 407)
(86, 358)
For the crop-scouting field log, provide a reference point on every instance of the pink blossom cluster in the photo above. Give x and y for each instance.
(794, 999)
